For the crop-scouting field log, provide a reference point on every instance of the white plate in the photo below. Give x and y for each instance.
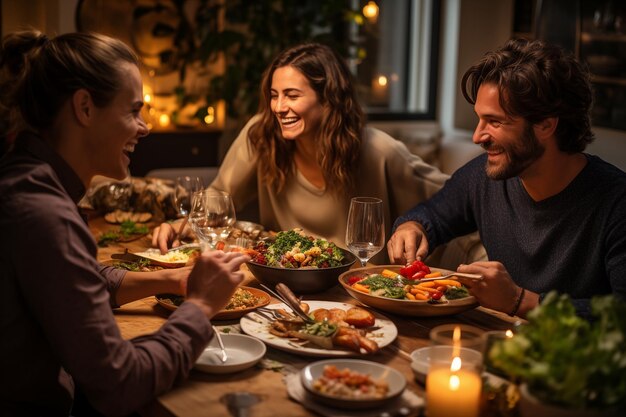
(395, 380)
(385, 333)
(243, 352)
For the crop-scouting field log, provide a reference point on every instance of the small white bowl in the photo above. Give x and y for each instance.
(243, 352)
(422, 357)
(396, 381)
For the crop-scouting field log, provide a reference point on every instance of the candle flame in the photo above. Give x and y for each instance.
(454, 382)
(382, 80)
(456, 364)
(508, 333)
(456, 341)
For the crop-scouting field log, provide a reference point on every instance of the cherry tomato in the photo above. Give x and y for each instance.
(354, 279)
(436, 295)
(220, 245)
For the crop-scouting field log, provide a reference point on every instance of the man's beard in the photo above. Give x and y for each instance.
(520, 155)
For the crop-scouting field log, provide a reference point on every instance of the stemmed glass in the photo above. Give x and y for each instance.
(185, 187)
(212, 215)
(365, 233)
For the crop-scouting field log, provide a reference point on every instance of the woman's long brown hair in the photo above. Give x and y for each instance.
(341, 128)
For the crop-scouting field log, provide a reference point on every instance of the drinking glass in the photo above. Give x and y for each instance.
(220, 213)
(185, 187)
(211, 216)
(365, 233)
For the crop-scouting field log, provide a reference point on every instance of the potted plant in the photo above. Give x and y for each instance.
(565, 364)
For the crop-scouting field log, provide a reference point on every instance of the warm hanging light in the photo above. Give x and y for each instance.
(370, 10)
(382, 80)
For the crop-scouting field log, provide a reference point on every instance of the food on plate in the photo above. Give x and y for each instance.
(351, 384)
(142, 265)
(294, 249)
(330, 328)
(121, 216)
(406, 285)
(240, 300)
(175, 256)
(128, 230)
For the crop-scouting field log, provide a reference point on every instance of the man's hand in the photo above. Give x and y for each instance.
(214, 279)
(408, 243)
(496, 290)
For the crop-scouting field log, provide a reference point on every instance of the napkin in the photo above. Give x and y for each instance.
(297, 392)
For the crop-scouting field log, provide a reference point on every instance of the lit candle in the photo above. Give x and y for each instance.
(452, 390)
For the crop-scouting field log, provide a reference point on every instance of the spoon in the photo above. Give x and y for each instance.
(224, 357)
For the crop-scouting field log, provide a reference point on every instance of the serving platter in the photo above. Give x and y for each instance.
(412, 308)
(256, 326)
(170, 301)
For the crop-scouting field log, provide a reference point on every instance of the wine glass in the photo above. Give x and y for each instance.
(365, 233)
(211, 216)
(185, 187)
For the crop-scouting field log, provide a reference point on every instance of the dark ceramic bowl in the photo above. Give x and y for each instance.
(302, 280)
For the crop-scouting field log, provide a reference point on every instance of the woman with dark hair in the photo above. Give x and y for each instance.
(74, 102)
(308, 152)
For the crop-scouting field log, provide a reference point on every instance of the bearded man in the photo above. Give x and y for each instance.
(550, 216)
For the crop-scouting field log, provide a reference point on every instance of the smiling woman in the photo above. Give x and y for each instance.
(308, 147)
(74, 103)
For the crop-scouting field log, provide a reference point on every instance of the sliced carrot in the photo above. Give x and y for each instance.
(387, 273)
(433, 275)
(450, 282)
(421, 297)
(410, 296)
(361, 287)
(430, 290)
(429, 284)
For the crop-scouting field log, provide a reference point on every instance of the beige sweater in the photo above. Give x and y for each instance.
(387, 170)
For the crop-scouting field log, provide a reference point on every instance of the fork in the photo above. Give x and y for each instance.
(474, 277)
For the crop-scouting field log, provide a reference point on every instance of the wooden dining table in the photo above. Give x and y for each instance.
(202, 394)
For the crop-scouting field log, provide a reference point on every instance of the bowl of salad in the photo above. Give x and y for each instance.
(385, 288)
(305, 264)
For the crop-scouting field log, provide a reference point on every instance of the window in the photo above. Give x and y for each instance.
(396, 65)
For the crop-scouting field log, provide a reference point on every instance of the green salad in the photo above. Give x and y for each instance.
(294, 249)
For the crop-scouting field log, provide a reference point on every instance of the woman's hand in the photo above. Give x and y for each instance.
(214, 279)
(166, 236)
(408, 243)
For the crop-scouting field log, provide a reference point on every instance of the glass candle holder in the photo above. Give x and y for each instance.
(453, 383)
(491, 338)
(460, 335)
